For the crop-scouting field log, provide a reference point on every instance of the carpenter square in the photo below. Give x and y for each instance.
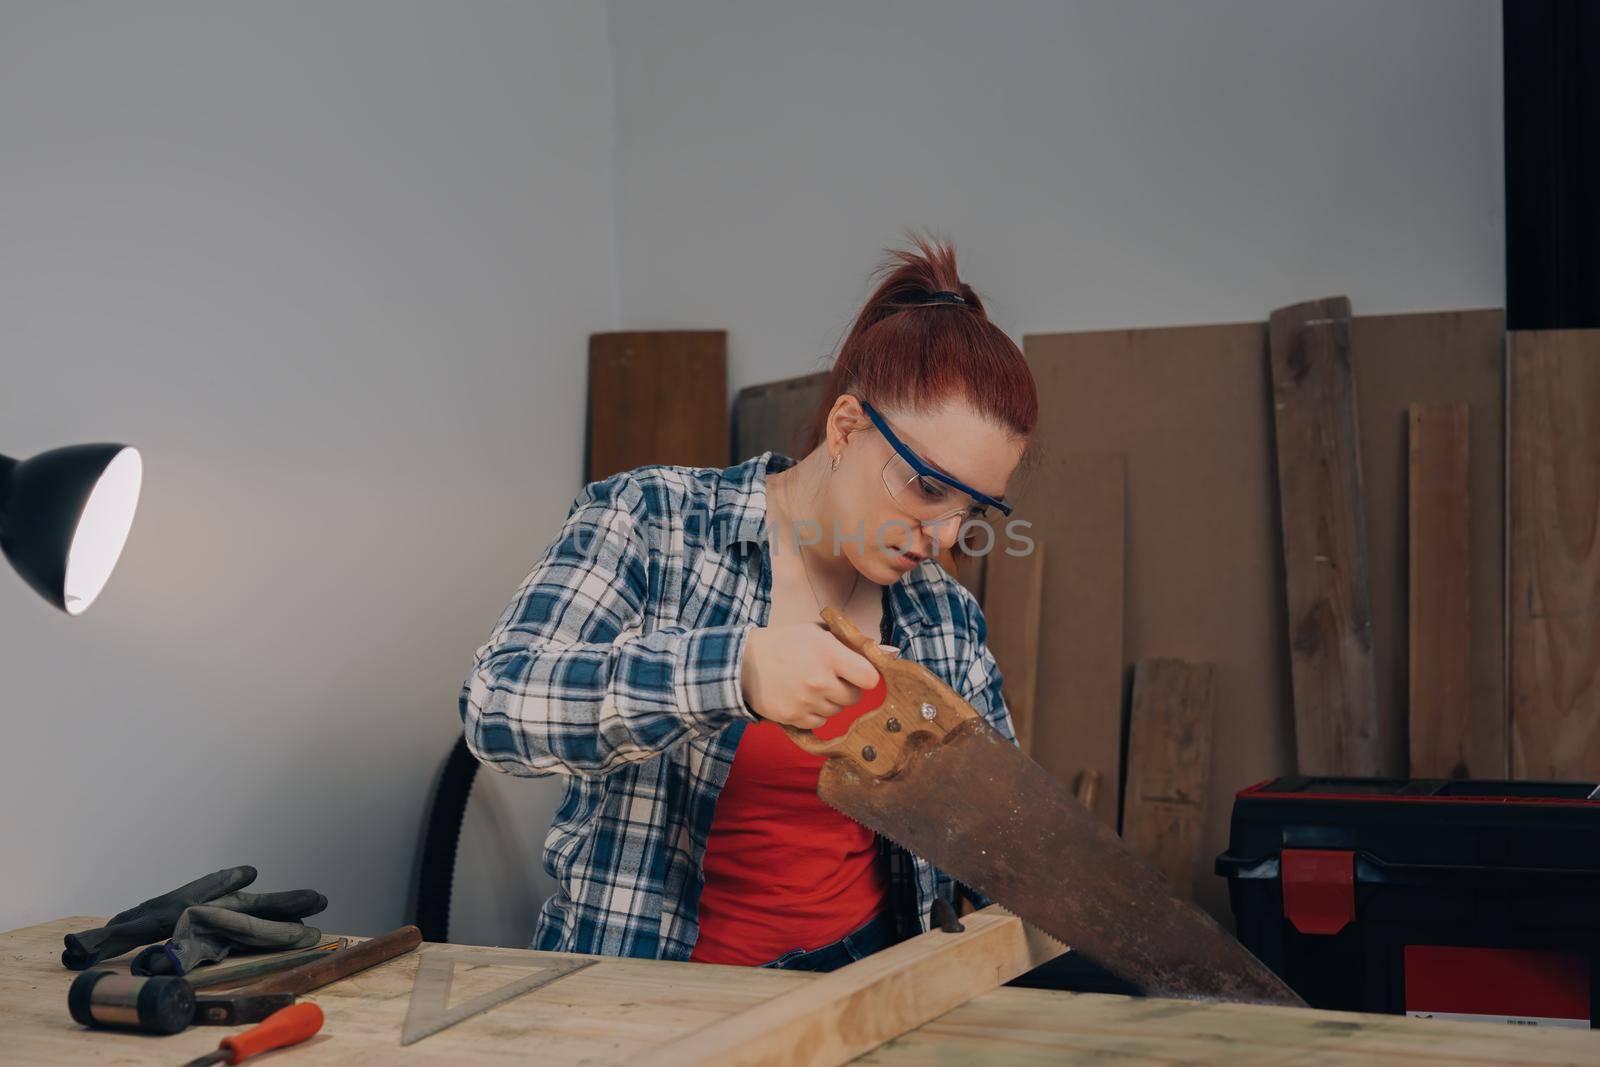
(436, 968)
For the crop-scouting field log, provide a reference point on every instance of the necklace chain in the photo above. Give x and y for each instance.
(801, 551)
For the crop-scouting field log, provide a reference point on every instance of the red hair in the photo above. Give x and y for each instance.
(902, 355)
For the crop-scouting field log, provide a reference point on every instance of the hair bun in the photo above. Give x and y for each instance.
(890, 358)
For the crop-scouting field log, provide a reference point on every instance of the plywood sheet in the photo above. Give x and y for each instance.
(1434, 358)
(657, 397)
(1323, 515)
(1076, 502)
(1555, 553)
(1446, 740)
(1013, 597)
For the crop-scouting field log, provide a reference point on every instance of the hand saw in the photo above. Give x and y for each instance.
(926, 771)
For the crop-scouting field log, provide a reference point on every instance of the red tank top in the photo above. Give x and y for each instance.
(783, 870)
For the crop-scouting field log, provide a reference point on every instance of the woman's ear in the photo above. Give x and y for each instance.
(845, 418)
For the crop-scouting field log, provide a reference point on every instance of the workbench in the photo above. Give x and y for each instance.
(616, 1011)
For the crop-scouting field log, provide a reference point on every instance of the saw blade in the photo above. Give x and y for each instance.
(976, 807)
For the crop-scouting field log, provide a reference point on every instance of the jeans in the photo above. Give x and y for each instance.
(878, 933)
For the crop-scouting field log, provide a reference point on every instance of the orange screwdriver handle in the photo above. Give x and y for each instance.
(290, 1026)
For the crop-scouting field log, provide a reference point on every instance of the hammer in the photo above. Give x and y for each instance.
(161, 1005)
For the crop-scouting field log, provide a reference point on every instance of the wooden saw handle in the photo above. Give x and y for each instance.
(915, 704)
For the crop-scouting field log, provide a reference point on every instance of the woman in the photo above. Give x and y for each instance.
(661, 642)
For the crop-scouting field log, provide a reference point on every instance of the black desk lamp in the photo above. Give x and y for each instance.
(64, 517)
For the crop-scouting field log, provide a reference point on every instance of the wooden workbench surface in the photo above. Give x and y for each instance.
(617, 1011)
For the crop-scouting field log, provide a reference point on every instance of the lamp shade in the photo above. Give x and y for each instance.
(64, 517)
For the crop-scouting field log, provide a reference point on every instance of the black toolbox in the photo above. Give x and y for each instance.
(1469, 899)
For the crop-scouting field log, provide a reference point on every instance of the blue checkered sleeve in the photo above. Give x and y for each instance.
(570, 683)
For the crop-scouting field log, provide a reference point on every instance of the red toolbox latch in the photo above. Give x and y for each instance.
(1319, 889)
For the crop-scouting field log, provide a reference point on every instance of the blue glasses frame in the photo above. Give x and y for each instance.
(917, 463)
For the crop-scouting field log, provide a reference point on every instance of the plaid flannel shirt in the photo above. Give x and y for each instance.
(617, 664)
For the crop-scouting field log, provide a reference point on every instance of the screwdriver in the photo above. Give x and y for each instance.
(290, 1026)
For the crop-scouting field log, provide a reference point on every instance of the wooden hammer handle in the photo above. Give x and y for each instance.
(337, 965)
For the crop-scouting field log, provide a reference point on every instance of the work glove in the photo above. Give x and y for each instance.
(208, 933)
(150, 921)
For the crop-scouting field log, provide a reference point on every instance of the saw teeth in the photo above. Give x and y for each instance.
(858, 822)
(880, 833)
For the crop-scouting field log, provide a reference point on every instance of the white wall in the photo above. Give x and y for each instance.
(1098, 164)
(332, 268)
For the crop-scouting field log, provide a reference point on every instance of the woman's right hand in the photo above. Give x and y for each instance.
(800, 675)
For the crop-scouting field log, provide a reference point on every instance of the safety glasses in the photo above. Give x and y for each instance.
(927, 494)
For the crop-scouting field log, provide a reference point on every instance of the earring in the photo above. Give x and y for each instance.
(835, 464)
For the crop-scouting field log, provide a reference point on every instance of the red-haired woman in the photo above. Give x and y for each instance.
(672, 625)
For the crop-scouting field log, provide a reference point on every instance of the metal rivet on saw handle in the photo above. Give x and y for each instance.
(929, 711)
(893, 726)
(869, 753)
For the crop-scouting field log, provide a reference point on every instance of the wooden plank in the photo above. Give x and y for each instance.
(1013, 599)
(1555, 554)
(1169, 766)
(1323, 517)
(657, 397)
(777, 416)
(857, 1008)
(1435, 358)
(620, 1010)
(1446, 739)
(1078, 501)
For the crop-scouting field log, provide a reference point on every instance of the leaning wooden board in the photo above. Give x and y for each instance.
(1434, 358)
(657, 396)
(1445, 739)
(776, 416)
(1324, 526)
(1169, 767)
(618, 1011)
(1555, 553)
(1190, 407)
